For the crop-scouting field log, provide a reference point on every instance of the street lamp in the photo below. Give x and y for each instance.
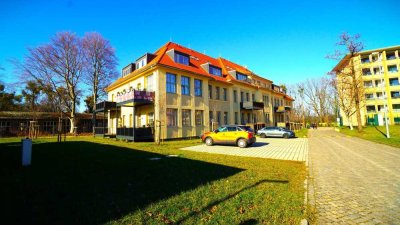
(384, 96)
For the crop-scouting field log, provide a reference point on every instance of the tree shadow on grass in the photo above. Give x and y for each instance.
(89, 183)
(380, 131)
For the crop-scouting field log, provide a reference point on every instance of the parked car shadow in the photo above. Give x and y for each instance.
(259, 144)
(89, 183)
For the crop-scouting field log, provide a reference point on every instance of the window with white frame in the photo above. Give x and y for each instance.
(150, 83)
(186, 121)
(185, 85)
(172, 117)
(171, 83)
(181, 58)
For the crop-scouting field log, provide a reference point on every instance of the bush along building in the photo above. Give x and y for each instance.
(177, 92)
(378, 74)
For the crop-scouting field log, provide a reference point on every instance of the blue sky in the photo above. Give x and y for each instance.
(284, 41)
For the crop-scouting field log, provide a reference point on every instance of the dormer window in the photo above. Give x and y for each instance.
(140, 63)
(215, 71)
(181, 58)
(240, 76)
(128, 69)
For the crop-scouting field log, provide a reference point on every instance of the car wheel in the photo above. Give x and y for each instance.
(209, 141)
(242, 143)
(263, 135)
(285, 135)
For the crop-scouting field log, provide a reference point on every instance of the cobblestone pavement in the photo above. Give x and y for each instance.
(274, 148)
(353, 181)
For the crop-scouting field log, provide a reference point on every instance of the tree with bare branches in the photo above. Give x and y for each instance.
(100, 66)
(350, 82)
(58, 65)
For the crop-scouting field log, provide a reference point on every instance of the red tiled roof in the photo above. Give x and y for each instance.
(196, 59)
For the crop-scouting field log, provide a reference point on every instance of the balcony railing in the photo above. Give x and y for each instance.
(136, 95)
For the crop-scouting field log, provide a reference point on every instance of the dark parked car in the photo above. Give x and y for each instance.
(275, 132)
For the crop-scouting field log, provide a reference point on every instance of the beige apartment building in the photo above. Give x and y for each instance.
(379, 71)
(177, 92)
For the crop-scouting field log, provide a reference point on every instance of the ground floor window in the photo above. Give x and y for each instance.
(236, 118)
(150, 119)
(225, 117)
(172, 120)
(186, 121)
(219, 117)
(199, 117)
(267, 117)
(130, 120)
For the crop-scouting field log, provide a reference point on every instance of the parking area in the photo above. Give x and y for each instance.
(295, 149)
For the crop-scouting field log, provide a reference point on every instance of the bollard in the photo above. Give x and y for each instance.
(26, 152)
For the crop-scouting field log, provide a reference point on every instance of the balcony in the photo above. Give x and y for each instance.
(135, 96)
(252, 105)
(105, 105)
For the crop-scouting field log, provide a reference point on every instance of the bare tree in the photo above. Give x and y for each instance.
(347, 75)
(317, 94)
(59, 65)
(100, 66)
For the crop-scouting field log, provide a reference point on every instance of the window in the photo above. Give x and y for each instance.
(370, 108)
(394, 81)
(209, 91)
(396, 107)
(392, 69)
(199, 117)
(149, 83)
(150, 119)
(172, 117)
(369, 96)
(234, 96)
(248, 118)
(171, 83)
(368, 83)
(225, 117)
(211, 115)
(219, 117)
(365, 59)
(240, 76)
(198, 87)
(224, 94)
(247, 97)
(140, 63)
(217, 93)
(186, 117)
(181, 58)
(378, 83)
(241, 96)
(366, 71)
(215, 71)
(377, 71)
(130, 120)
(267, 117)
(390, 56)
(185, 85)
(395, 94)
(253, 98)
(236, 118)
(242, 118)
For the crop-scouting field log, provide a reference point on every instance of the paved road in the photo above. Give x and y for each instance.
(353, 181)
(295, 149)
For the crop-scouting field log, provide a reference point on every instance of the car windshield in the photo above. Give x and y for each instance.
(221, 129)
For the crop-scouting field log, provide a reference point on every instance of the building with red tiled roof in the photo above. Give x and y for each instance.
(177, 92)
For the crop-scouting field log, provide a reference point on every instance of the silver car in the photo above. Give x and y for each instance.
(275, 132)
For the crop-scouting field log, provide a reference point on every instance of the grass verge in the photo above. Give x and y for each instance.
(103, 181)
(376, 134)
(303, 133)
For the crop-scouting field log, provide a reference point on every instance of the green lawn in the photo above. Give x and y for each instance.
(376, 134)
(102, 181)
(302, 133)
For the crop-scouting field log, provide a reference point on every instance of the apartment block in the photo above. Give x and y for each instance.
(379, 70)
(177, 92)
